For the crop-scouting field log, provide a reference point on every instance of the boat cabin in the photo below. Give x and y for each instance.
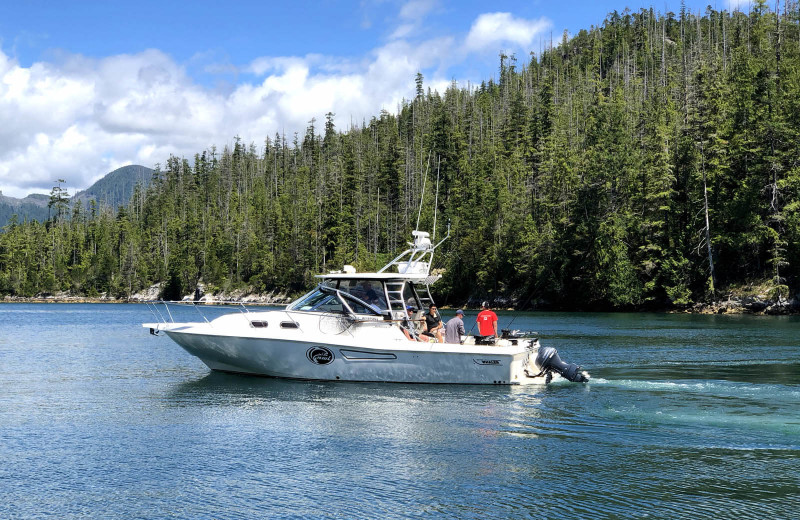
(373, 294)
(403, 282)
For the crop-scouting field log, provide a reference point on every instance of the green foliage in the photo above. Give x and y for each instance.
(577, 179)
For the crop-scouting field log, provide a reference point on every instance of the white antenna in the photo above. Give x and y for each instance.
(424, 180)
(436, 200)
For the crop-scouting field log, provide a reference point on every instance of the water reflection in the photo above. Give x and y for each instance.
(223, 388)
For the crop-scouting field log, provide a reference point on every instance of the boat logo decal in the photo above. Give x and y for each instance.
(319, 355)
(486, 361)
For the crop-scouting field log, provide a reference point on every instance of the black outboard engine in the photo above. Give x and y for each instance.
(484, 340)
(548, 361)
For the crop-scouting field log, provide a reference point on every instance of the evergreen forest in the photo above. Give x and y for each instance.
(649, 162)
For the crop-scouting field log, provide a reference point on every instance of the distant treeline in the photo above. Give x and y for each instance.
(652, 161)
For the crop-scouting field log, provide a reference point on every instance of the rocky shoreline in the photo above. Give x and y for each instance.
(754, 305)
(748, 305)
(152, 294)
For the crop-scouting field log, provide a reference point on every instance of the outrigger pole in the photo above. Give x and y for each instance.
(422, 199)
(436, 200)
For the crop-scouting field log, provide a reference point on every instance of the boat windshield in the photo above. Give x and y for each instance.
(326, 299)
(318, 301)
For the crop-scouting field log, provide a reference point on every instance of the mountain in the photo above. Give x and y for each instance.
(116, 188)
(113, 190)
(32, 207)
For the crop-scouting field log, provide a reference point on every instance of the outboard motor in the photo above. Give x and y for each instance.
(548, 361)
(484, 340)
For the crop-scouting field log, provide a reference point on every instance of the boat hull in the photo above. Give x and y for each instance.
(314, 360)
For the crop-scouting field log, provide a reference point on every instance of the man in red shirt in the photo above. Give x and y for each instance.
(487, 321)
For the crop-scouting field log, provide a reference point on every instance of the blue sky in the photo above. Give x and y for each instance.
(88, 86)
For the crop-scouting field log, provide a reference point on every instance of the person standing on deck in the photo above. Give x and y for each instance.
(487, 321)
(454, 328)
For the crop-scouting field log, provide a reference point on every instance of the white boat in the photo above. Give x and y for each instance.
(355, 327)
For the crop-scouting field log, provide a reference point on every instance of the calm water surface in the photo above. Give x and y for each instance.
(685, 417)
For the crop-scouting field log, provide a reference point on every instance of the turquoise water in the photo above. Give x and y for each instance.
(685, 417)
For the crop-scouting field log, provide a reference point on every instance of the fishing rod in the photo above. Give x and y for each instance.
(508, 327)
(473, 326)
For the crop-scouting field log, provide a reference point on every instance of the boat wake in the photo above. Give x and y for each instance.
(721, 388)
(705, 404)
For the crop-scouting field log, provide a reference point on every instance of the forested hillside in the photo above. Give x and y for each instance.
(651, 161)
(33, 206)
(115, 188)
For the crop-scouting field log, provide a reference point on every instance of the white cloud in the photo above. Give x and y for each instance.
(492, 30)
(403, 31)
(416, 9)
(78, 118)
(412, 14)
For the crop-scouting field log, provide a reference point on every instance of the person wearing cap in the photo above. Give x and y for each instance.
(487, 321)
(454, 328)
(408, 325)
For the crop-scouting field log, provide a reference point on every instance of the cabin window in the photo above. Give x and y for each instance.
(410, 297)
(368, 291)
(258, 324)
(289, 325)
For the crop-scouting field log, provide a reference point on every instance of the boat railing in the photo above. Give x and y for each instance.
(156, 306)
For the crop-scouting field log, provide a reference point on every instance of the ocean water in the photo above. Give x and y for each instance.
(685, 417)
